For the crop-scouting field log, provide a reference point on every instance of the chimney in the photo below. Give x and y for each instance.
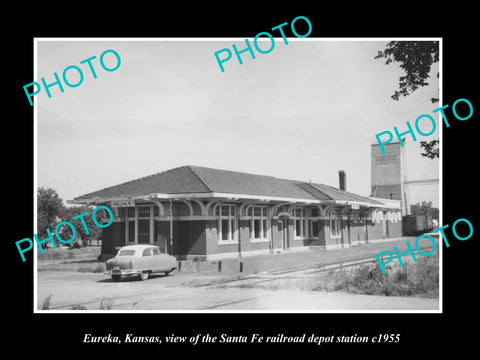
(342, 180)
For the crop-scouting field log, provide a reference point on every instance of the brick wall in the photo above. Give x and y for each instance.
(188, 237)
(113, 236)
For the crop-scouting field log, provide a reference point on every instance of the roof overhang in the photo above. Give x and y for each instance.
(224, 196)
(197, 196)
(388, 203)
(382, 203)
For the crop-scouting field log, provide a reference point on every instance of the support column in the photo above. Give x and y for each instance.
(322, 230)
(152, 227)
(171, 226)
(136, 225)
(126, 227)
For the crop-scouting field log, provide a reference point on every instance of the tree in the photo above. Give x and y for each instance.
(50, 210)
(424, 208)
(94, 232)
(416, 59)
(431, 149)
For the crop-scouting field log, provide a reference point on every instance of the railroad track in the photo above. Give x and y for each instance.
(305, 270)
(285, 274)
(251, 280)
(288, 273)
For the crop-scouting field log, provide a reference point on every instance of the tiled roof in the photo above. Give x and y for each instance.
(174, 181)
(337, 194)
(233, 182)
(314, 191)
(196, 179)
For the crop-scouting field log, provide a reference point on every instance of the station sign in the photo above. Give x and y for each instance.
(123, 203)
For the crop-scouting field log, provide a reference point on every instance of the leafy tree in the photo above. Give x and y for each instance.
(94, 232)
(50, 210)
(416, 59)
(431, 149)
(424, 208)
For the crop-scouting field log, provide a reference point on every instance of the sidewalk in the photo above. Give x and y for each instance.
(297, 259)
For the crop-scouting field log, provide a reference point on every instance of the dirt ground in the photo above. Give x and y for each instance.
(198, 287)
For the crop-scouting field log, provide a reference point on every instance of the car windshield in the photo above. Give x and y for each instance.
(126, 253)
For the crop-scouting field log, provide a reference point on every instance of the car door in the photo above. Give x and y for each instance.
(156, 260)
(147, 259)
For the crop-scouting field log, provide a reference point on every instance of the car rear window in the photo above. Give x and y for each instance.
(126, 253)
(147, 252)
(156, 251)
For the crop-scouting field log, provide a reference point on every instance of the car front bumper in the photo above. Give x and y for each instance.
(121, 272)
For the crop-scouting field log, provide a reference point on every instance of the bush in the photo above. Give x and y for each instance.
(415, 278)
(418, 278)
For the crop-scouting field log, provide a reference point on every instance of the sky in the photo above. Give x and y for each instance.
(301, 112)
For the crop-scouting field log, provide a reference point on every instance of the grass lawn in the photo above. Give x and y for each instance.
(77, 260)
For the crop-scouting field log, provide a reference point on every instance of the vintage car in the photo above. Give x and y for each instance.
(141, 260)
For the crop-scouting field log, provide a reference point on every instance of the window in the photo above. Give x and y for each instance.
(147, 252)
(155, 251)
(335, 227)
(301, 230)
(258, 223)
(126, 253)
(138, 227)
(226, 223)
(144, 211)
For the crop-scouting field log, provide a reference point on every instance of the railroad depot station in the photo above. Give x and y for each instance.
(195, 212)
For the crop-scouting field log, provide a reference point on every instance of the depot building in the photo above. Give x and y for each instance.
(194, 212)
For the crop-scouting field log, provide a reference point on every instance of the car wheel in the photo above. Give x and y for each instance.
(144, 275)
(171, 272)
(116, 277)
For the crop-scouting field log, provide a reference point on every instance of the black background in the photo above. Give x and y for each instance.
(61, 335)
